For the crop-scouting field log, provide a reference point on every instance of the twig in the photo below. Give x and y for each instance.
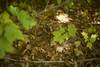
(34, 61)
(91, 59)
(42, 61)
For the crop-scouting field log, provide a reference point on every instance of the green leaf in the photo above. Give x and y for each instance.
(62, 30)
(5, 18)
(66, 36)
(59, 35)
(85, 35)
(93, 38)
(89, 45)
(59, 39)
(91, 29)
(2, 53)
(9, 48)
(71, 30)
(13, 10)
(26, 20)
(1, 29)
(59, 32)
(56, 33)
(5, 46)
(12, 33)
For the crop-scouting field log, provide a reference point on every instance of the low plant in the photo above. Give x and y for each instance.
(10, 32)
(64, 33)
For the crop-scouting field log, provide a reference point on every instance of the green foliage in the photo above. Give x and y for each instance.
(85, 35)
(91, 29)
(89, 45)
(23, 16)
(71, 30)
(9, 32)
(93, 38)
(58, 35)
(65, 33)
(12, 30)
(1, 29)
(5, 46)
(61, 35)
(90, 35)
(89, 39)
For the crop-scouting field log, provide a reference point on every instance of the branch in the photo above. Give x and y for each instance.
(42, 61)
(34, 61)
(91, 59)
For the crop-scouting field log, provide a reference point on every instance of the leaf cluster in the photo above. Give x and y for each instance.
(26, 20)
(64, 33)
(9, 32)
(90, 36)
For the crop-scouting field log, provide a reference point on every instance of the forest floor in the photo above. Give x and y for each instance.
(40, 50)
